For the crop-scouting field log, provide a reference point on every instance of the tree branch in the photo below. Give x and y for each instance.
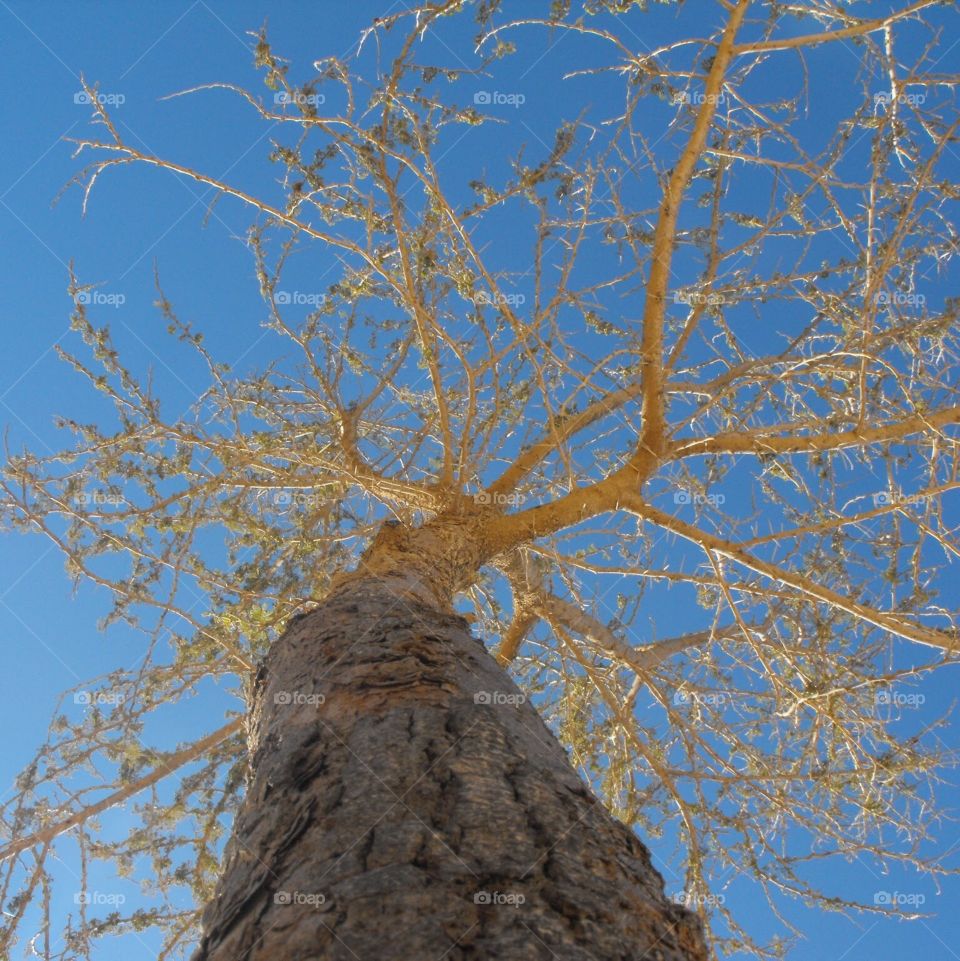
(170, 764)
(749, 442)
(811, 39)
(894, 623)
(651, 351)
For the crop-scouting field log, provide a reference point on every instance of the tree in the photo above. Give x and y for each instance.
(507, 444)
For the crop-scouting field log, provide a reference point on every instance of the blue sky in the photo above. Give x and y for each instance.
(139, 218)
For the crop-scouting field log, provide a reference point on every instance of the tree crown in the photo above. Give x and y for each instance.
(697, 343)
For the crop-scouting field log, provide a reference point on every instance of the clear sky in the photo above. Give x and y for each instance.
(138, 53)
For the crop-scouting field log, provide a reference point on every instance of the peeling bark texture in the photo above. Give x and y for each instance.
(405, 802)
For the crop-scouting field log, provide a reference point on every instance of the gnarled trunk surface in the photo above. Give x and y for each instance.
(406, 803)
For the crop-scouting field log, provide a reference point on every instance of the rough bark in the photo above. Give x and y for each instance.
(405, 802)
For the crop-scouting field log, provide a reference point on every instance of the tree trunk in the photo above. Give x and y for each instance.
(405, 802)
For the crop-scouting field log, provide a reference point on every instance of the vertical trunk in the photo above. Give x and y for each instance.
(406, 803)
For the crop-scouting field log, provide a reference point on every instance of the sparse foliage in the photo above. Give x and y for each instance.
(722, 374)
